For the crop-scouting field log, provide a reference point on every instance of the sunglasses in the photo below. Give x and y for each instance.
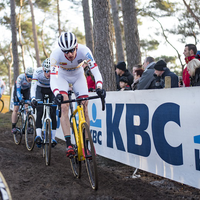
(47, 71)
(69, 51)
(29, 76)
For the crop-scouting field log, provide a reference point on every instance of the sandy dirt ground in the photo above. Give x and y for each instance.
(29, 179)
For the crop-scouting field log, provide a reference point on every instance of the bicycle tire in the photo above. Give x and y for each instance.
(30, 132)
(90, 160)
(75, 163)
(4, 189)
(19, 125)
(1, 105)
(47, 142)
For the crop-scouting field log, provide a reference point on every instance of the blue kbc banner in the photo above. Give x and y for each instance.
(153, 130)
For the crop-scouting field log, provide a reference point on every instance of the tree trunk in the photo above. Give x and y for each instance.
(35, 35)
(20, 34)
(103, 53)
(58, 13)
(14, 40)
(9, 70)
(88, 25)
(118, 37)
(131, 33)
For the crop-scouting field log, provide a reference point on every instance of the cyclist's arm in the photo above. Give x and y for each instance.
(53, 79)
(94, 68)
(34, 85)
(18, 86)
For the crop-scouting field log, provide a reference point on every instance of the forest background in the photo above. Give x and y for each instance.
(114, 30)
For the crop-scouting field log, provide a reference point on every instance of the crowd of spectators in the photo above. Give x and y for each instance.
(153, 75)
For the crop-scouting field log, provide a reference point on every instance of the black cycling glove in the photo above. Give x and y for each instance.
(101, 93)
(58, 99)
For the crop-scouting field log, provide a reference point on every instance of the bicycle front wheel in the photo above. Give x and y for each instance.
(75, 163)
(90, 156)
(1, 105)
(4, 189)
(19, 124)
(30, 132)
(47, 142)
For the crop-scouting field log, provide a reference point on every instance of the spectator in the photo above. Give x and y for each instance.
(137, 75)
(2, 87)
(138, 66)
(147, 77)
(123, 83)
(193, 68)
(122, 71)
(189, 53)
(161, 71)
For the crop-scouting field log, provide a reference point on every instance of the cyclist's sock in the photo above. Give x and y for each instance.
(68, 140)
(38, 131)
(13, 125)
(53, 134)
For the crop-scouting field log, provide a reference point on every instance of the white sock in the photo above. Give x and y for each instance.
(39, 131)
(53, 134)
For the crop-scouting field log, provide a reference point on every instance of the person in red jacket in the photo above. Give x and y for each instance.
(189, 53)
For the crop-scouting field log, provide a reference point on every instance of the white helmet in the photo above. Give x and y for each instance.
(67, 41)
(46, 64)
(29, 71)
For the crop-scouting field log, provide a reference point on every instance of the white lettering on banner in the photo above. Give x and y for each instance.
(154, 130)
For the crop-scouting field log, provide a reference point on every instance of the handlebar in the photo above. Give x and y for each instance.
(82, 99)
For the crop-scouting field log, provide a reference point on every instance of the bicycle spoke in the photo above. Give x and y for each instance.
(47, 144)
(18, 135)
(90, 157)
(30, 133)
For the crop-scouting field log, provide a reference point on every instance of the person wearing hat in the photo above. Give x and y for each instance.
(161, 71)
(121, 71)
(123, 83)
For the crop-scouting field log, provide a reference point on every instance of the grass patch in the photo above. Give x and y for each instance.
(5, 120)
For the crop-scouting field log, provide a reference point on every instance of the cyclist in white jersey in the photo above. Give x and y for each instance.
(66, 68)
(40, 86)
(21, 93)
(2, 87)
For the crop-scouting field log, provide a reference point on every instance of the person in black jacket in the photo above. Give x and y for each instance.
(161, 71)
(193, 68)
(122, 71)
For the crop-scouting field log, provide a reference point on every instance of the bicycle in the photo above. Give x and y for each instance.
(46, 129)
(4, 189)
(1, 105)
(84, 147)
(25, 125)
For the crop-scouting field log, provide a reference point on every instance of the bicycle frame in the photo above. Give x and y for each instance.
(77, 135)
(46, 115)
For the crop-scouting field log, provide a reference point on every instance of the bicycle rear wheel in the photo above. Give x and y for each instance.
(4, 189)
(75, 163)
(90, 156)
(30, 132)
(47, 142)
(19, 125)
(1, 105)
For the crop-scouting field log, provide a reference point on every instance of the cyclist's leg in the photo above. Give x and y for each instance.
(53, 114)
(16, 108)
(39, 95)
(26, 95)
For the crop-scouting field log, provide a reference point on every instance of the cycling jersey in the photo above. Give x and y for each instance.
(64, 71)
(39, 79)
(21, 84)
